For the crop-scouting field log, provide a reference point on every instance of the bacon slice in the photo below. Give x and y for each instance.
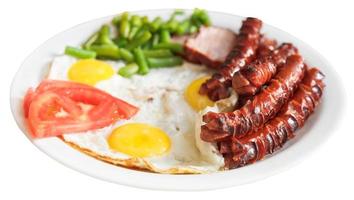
(240, 152)
(263, 106)
(248, 81)
(210, 46)
(243, 53)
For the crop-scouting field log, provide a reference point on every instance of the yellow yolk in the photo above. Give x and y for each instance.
(90, 71)
(194, 99)
(139, 140)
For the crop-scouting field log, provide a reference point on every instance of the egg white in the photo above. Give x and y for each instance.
(159, 95)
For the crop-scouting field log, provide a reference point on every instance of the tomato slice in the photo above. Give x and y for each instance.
(27, 101)
(58, 107)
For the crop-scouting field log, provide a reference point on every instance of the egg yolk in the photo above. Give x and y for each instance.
(139, 140)
(195, 100)
(90, 71)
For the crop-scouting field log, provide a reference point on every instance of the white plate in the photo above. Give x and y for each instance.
(316, 131)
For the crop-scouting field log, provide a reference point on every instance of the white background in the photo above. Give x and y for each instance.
(27, 173)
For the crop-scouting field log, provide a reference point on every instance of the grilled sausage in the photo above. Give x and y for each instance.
(263, 106)
(239, 152)
(249, 80)
(243, 53)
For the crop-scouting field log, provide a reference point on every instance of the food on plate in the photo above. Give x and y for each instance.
(200, 49)
(266, 46)
(196, 100)
(57, 107)
(244, 51)
(175, 95)
(280, 129)
(260, 109)
(79, 53)
(90, 71)
(160, 136)
(139, 140)
(248, 81)
(146, 43)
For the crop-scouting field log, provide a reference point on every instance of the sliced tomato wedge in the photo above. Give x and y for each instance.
(58, 107)
(27, 101)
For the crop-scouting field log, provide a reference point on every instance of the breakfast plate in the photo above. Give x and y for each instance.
(315, 132)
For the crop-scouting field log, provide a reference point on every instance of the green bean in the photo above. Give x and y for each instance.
(141, 30)
(136, 21)
(164, 62)
(204, 18)
(124, 16)
(174, 47)
(128, 70)
(92, 39)
(165, 36)
(196, 22)
(157, 53)
(155, 39)
(197, 12)
(104, 35)
(172, 25)
(126, 55)
(155, 24)
(200, 16)
(79, 53)
(147, 45)
(124, 29)
(183, 27)
(193, 29)
(116, 20)
(145, 20)
(177, 12)
(133, 32)
(141, 61)
(140, 40)
(120, 42)
(106, 51)
(105, 30)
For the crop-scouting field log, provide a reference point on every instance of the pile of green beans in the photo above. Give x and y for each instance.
(142, 44)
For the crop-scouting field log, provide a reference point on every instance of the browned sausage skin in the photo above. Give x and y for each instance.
(263, 106)
(249, 80)
(240, 152)
(246, 45)
(266, 46)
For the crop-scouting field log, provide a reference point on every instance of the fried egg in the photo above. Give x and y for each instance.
(164, 135)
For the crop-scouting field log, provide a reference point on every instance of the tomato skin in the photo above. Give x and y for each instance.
(84, 107)
(27, 101)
